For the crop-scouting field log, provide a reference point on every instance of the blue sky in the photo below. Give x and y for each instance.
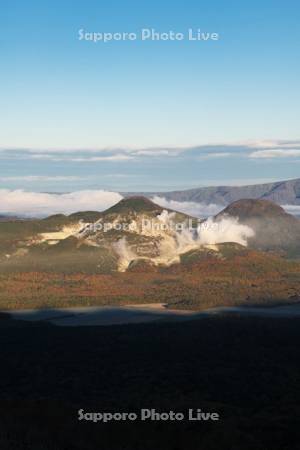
(145, 115)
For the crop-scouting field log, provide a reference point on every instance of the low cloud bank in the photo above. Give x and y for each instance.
(38, 204)
(202, 210)
(292, 209)
(192, 208)
(26, 203)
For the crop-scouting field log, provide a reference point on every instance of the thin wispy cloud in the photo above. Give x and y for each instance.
(116, 158)
(154, 169)
(275, 153)
(39, 178)
(273, 144)
(263, 149)
(216, 155)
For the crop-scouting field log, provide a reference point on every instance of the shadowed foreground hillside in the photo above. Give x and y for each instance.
(245, 369)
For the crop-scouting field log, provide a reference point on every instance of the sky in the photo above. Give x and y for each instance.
(148, 115)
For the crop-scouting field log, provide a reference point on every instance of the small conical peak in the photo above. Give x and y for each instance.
(137, 204)
(247, 208)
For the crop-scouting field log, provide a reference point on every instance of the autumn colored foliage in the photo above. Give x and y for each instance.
(243, 279)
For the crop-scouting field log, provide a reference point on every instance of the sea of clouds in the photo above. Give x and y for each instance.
(190, 208)
(38, 204)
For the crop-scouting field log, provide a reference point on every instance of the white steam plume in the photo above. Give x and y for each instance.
(226, 230)
(175, 243)
(126, 255)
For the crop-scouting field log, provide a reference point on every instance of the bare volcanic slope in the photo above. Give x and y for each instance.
(131, 254)
(94, 242)
(43, 244)
(275, 230)
(136, 228)
(138, 235)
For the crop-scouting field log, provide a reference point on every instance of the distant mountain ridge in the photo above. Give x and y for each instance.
(280, 192)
